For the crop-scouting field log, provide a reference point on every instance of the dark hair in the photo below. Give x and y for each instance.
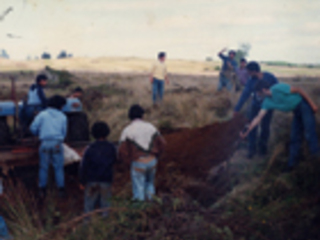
(100, 130)
(253, 67)
(57, 102)
(261, 84)
(232, 52)
(41, 77)
(78, 89)
(161, 54)
(135, 112)
(243, 60)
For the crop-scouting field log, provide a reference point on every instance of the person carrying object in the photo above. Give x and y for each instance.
(141, 144)
(228, 69)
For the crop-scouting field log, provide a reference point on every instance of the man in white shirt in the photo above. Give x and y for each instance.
(158, 77)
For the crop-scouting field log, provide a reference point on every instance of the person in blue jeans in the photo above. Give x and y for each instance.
(158, 78)
(96, 169)
(228, 70)
(286, 98)
(141, 144)
(256, 75)
(50, 126)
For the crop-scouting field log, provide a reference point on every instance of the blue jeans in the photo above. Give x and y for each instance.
(51, 151)
(224, 82)
(97, 193)
(157, 90)
(142, 176)
(264, 131)
(4, 233)
(304, 124)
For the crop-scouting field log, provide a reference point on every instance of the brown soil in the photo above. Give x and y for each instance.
(183, 168)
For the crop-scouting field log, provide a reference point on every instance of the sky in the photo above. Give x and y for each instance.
(287, 30)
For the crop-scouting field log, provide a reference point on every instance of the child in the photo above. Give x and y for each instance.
(141, 144)
(229, 66)
(158, 77)
(51, 127)
(96, 169)
(285, 98)
(256, 75)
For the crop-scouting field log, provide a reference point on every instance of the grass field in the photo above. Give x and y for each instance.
(241, 199)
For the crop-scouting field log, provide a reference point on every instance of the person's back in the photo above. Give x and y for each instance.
(50, 124)
(97, 165)
(96, 169)
(141, 144)
(51, 128)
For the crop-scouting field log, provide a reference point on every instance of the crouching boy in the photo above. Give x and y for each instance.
(285, 98)
(51, 127)
(96, 169)
(141, 144)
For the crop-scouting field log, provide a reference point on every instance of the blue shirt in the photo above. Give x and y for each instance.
(249, 90)
(36, 96)
(281, 98)
(97, 163)
(50, 124)
(227, 60)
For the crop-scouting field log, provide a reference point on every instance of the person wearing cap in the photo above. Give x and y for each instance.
(141, 144)
(158, 78)
(286, 98)
(228, 69)
(256, 75)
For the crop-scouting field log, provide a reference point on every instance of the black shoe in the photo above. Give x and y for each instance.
(62, 193)
(42, 192)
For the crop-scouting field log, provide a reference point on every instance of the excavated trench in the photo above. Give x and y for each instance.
(184, 168)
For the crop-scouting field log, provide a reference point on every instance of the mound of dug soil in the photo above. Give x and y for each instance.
(195, 151)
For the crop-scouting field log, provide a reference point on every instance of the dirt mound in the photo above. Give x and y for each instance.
(195, 151)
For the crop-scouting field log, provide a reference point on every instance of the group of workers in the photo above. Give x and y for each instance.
(268, 94)
(141, 143)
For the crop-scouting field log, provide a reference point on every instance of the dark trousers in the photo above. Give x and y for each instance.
(304, 124)
(264, 131)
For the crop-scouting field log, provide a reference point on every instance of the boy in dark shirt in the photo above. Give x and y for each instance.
(96, 169)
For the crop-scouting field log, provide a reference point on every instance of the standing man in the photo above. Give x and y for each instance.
(229, 67)
(35, 103)
(158, 78)
(255, 76)
(51, 127)
(141, 144)
(286, 98)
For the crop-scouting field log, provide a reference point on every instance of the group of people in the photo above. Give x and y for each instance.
(141, 143)
(267, 94)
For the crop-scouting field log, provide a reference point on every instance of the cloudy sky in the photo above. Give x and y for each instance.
(189, 29)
